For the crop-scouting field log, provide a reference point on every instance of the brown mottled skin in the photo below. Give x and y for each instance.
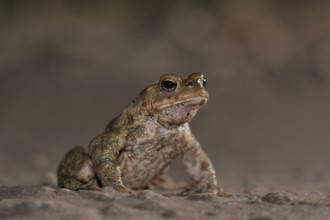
(139, 144)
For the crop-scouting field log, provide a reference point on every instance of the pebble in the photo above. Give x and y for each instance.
(278, 198)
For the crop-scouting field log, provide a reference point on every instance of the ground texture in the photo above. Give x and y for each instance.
(68, 67)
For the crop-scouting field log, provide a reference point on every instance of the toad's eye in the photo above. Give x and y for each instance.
(202, 81)
(168, 85)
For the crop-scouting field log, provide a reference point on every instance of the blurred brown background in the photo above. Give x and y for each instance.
(67, 67)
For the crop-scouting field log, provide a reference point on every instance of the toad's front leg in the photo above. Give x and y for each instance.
(200, 168)
(104, 153)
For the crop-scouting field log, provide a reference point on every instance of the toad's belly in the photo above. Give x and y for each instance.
(140, 166)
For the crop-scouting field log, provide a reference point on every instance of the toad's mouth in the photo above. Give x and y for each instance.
(192, 102)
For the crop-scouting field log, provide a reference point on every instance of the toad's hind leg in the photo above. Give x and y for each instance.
(76, 172)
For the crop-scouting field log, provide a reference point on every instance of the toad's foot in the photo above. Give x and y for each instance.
(222, 193)
(123, 189)
(165, 182)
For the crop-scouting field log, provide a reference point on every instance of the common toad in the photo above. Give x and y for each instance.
(139, 144)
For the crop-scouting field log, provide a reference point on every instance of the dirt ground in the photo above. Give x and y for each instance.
(66, 70)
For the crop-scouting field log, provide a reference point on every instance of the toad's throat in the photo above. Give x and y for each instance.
(179, 112)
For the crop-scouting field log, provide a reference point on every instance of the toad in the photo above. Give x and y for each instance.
(139, 144)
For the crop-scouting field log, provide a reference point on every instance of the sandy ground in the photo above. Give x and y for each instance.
(41, 202)
(65, 72)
